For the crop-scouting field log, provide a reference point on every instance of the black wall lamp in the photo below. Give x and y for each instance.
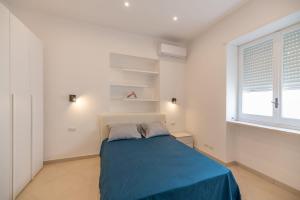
(72, 98)
(174, 100)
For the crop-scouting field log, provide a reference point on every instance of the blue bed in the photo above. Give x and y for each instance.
(161, 168)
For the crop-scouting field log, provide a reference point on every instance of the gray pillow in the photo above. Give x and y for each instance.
(123, 131)
(154, 129)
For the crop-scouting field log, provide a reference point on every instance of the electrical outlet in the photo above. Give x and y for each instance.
(72, 129)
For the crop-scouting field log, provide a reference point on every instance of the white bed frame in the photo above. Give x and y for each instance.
(113, 118)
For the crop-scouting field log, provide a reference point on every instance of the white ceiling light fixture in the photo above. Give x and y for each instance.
(127, 4)
(175, 18)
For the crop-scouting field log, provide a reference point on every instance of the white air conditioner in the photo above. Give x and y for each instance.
(170, 50)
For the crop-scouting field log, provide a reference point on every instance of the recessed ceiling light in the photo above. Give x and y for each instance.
(175, 18)
(127, 4)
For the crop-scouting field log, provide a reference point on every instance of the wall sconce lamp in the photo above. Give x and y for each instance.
(174, 100)
(72, 98)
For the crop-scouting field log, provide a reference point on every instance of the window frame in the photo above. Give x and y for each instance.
(287, 122)
(276, 120)
(243, 116)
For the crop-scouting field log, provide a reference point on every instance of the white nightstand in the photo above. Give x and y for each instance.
(184, 137)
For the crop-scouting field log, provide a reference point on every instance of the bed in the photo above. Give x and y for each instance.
(159, 168)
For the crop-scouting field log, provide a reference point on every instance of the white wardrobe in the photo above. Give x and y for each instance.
(21, 102)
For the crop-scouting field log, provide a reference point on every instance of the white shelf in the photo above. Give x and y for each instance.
(139, 71)
(137, 100)
(147, 59)
(128, 85)
(134, 74)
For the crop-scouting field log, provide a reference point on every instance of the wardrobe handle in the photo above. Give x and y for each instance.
(12, 119)
(31, 133)
(12, 145)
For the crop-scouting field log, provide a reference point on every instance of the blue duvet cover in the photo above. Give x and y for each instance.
(161, 168)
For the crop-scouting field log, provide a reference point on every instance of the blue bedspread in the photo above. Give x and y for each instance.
(161, 168)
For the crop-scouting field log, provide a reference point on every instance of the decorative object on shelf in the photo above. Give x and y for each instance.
(131, 95)
(72, 98)
(174, 100)
(134, 83)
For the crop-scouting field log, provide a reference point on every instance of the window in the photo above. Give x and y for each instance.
(291, 75)
(269, 79)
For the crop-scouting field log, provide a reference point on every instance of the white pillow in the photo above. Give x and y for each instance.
(154, 129)
(123, 131)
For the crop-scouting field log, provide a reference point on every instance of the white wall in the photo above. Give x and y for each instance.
(172, 80)
(272, 153)
(77, 62)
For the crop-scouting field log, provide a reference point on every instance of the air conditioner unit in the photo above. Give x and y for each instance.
(170, 50)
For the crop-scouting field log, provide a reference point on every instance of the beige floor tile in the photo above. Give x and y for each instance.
(74, 180)
(78, 180)
(254, 187)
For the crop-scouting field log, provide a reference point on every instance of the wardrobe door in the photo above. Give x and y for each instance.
(19, 51)
(5, 108)
(36, 85)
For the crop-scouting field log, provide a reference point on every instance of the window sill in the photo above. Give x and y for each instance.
(285, 130)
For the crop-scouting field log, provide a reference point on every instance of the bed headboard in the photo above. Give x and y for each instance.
(113, 118)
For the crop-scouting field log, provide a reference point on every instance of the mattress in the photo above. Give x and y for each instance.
(161, 168)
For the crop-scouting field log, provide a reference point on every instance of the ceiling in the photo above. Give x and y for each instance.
(150, 17)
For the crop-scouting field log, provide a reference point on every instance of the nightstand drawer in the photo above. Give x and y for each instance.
(189, 144)
(184, 137)
(186, 140)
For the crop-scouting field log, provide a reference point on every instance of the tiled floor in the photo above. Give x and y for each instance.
(72, 180)
(254, 187)
(78, 180)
